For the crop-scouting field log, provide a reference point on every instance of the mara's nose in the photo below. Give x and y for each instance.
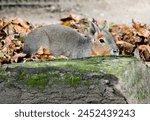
(115, 52)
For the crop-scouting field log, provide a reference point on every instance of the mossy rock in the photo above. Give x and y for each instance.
(88, 80)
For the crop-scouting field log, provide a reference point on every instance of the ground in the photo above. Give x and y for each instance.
(113, 11)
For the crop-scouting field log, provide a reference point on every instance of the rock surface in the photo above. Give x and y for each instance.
(95, 80)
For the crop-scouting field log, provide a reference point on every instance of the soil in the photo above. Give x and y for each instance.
(113, 11)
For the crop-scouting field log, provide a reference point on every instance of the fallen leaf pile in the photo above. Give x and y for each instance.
(134, 40)
(12, 32)
(75, 22)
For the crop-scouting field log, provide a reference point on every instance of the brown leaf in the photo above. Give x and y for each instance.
(4, 50)
(2, 35)
(143, 32)
(125, 47)
(18, 29)
(142, 29)
(70, 17)
(9, 39)
(9, 28)
(42, 57)
(17, 57)
(4, 23)
(5, 58)
(1, 23)
(42, 50)
(144, 51)
(21, 25)
(45, 51)
(43, 54)
(70, 20)
(17, 21)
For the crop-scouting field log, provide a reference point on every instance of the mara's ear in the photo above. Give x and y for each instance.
(103, 26)
(93, 28)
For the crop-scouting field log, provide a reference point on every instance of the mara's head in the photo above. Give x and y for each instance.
(103, 41)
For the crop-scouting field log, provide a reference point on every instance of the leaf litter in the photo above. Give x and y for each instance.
(131, 40)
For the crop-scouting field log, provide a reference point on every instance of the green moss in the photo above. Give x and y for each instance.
(21, 75)
(3, 75)
(81, 65)
(21, 37)
(72, 79)
(99, 64)
(138, 85)
(37, 81)
(57, 59)
(92, 64)
(52, 78)
(142, 93)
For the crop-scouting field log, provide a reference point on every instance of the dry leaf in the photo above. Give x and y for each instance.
(45, 51)
(125, 47)
(10, 44)
(70, 20)
(18, 29)
(142, 29)
(43, 54)
(17, 57)
(70, 17)
(144, 51)
(42, 50)
(1, 23)
(9, 39)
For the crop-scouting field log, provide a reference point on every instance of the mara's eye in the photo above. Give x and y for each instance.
(101, 40)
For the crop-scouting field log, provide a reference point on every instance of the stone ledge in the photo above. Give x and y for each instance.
(94, 80)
